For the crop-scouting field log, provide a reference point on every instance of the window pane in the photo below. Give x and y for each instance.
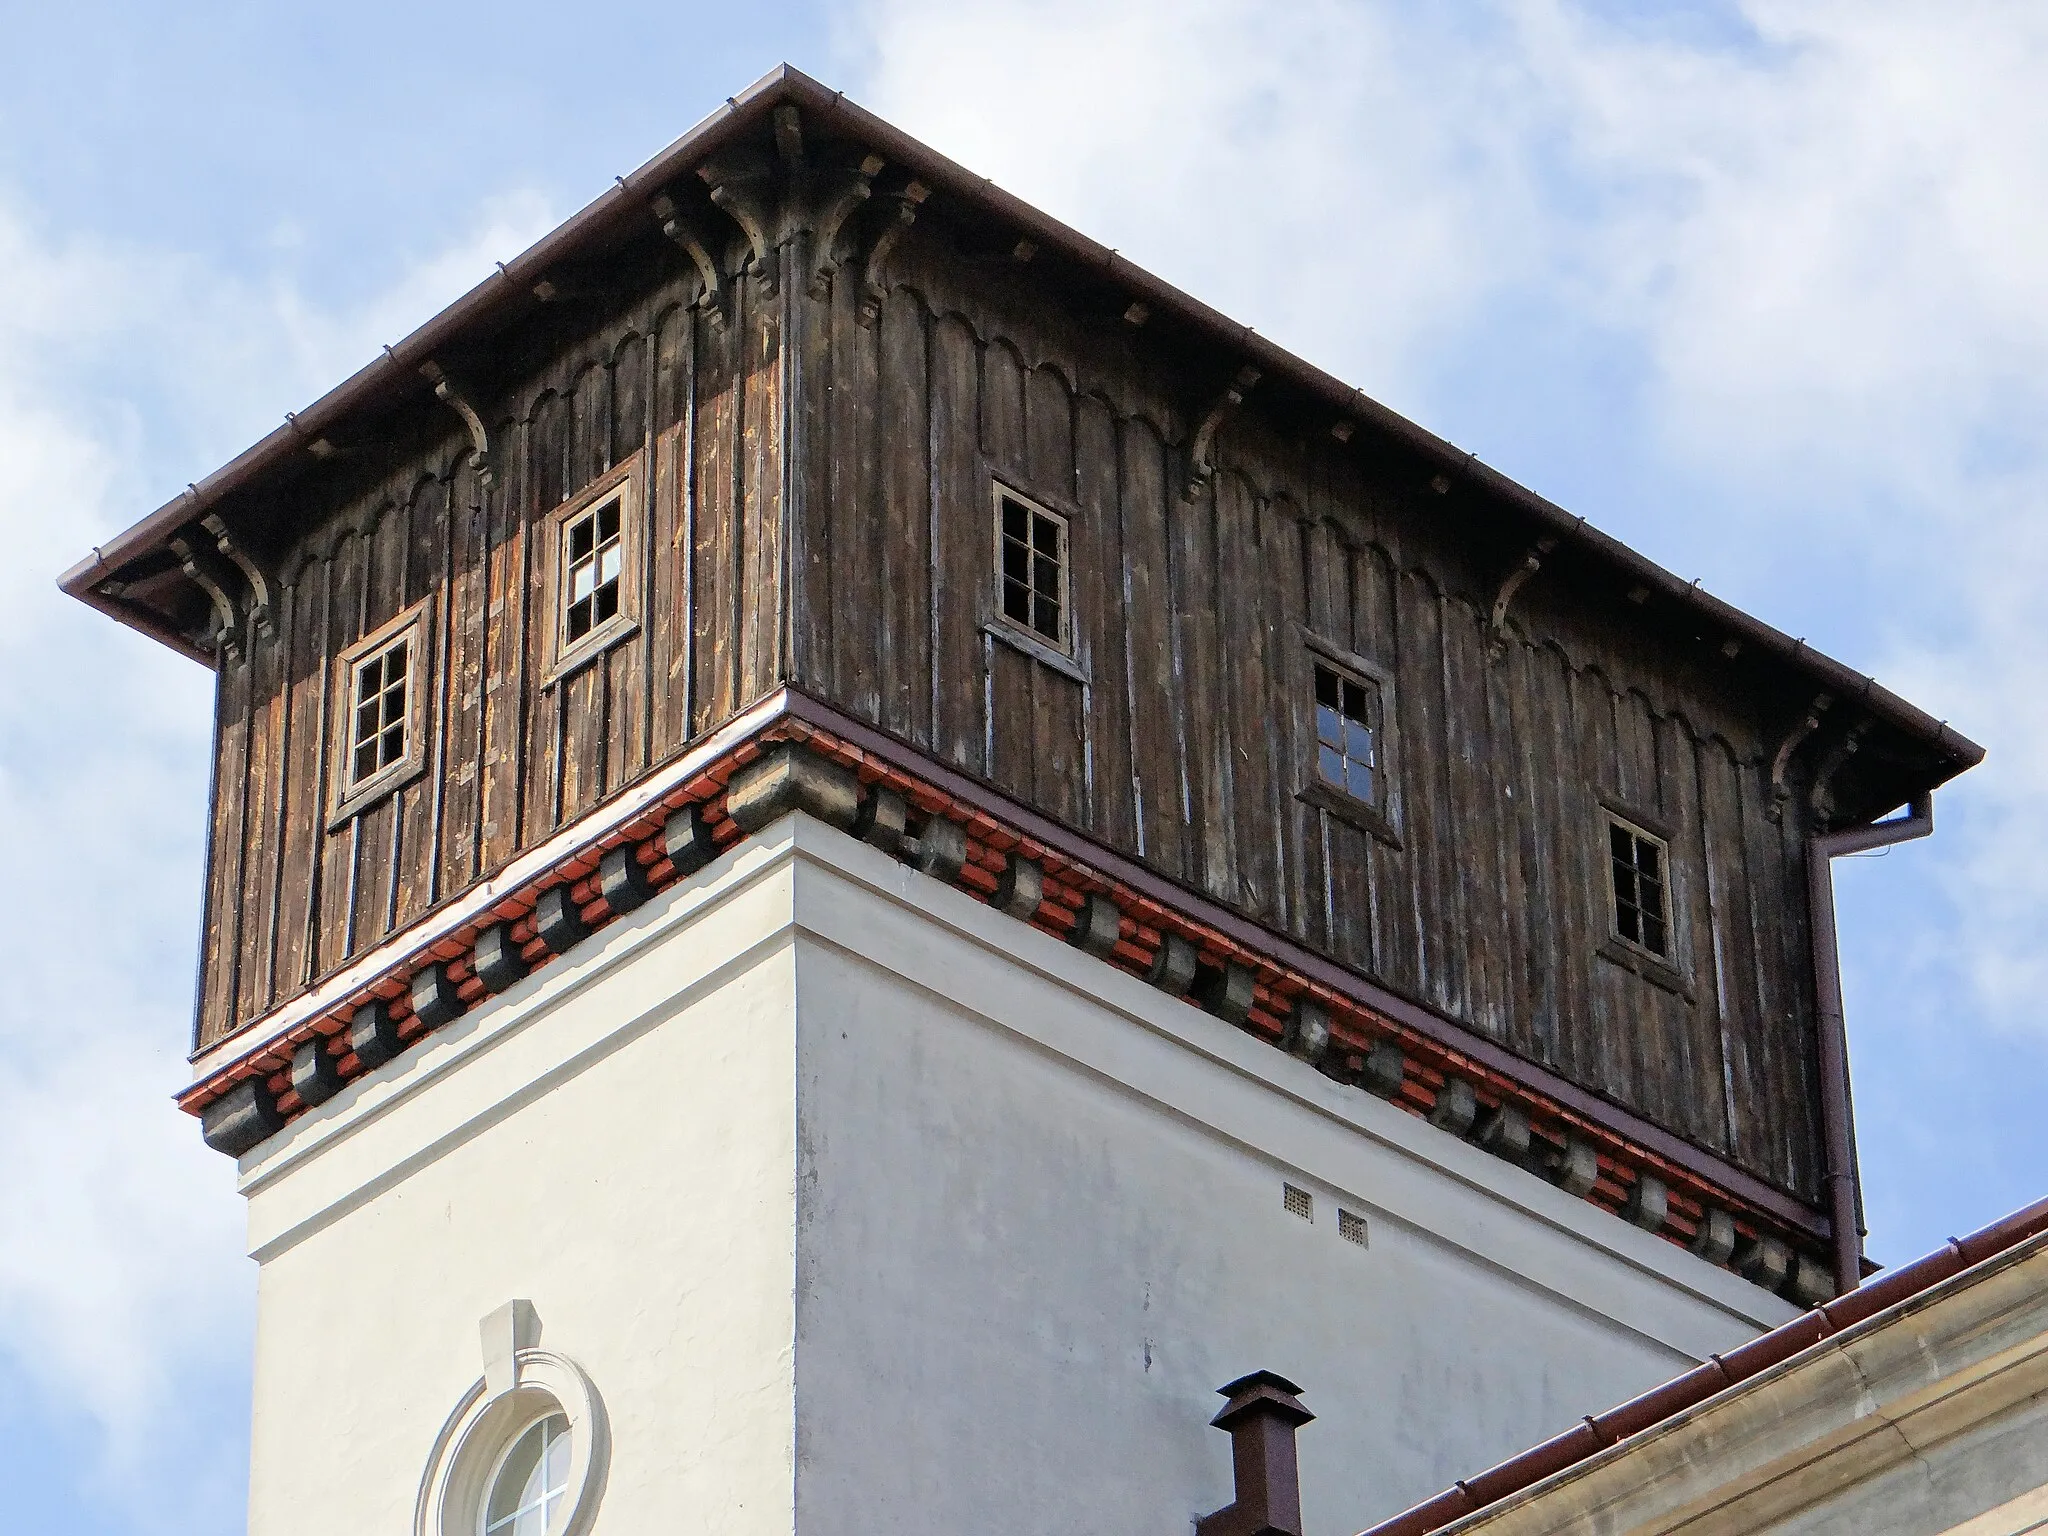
(581, 579)
(1046, 577)
(607, 601)
(1354, 700)
(1331, 766)
(1360, 777)
(394, 746)
(579, 619)
(1646, 857)
(608, 563)
(1017, 602)
(1326, 687)
(1653, 932)
(608, 521)
(582, 538)
(1329, 729)
(1046, 535)
(1046, 619)
(1619, 841)
(518, 1480)
(367, 719)
(1016, 521)
(366, 761)
(1357, 742)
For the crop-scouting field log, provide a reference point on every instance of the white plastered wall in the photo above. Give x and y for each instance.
(868, 1207)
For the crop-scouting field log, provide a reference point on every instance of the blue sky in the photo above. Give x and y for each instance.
(1758, 287)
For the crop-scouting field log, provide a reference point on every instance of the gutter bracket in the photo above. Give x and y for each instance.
(1781, 760)
(1201, 452)
(1513, 582)
(451, 395)
(873, 290)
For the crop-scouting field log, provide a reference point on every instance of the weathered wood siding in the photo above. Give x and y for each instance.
(1187, 741)
(510, 760)
(1182, 741)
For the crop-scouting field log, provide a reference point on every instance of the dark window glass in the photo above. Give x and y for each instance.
(1031, 569)
(1640, 914)
(1347, 733)
(378, 737)
(591, 569)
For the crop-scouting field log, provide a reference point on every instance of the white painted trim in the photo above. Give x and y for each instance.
(259, 1033)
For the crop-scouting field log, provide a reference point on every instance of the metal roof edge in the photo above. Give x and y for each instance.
(399, 367)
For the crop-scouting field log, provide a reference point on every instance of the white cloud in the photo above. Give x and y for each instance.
(123, 373)
(1784, 262)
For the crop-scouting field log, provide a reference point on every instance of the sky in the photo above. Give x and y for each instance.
(1760, 287)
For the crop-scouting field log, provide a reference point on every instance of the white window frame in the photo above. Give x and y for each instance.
(352, 795)
(1064, 643)
(625, 484)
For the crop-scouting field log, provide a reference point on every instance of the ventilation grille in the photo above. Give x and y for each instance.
(1299, 1202)
(1351, 1227)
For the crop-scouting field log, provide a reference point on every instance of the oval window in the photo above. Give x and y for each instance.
(528, 1492)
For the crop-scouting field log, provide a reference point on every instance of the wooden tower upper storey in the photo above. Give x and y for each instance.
(805, 469)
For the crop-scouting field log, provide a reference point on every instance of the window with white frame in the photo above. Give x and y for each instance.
(1031, 568)
(593, 559)
(1639, 866)
(380, 719)
(1347, 732)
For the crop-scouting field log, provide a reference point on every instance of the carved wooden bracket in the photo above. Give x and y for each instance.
(873, 290)
(855, 187)
(260, 603)
(1781, 760)
(1201, 453)
(746, 194)
(453, 396)
(205, 571)
(681, 232)
(1513, 582)
(1822, 797)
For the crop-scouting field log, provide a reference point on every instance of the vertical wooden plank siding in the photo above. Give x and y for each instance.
(1182, 732)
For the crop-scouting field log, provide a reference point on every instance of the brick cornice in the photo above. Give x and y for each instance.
(1064, 883)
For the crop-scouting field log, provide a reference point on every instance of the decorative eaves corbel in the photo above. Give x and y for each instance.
(205, 571)
(680, 232)
(873, 290)
(747, 197)
(1513, 582)
(1201, 453)
(856, 187)
(456, 400)
(260, 599)
(1781, 760)
(1822, 797)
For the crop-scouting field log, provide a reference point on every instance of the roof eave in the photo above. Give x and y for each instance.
(397, 370)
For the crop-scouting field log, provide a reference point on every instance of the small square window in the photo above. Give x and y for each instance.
(379, 719)
(593, 567)
(1031, 567)
(1347, 732)
(1639, 870)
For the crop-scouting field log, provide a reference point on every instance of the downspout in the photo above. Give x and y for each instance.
(1838, 1123)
